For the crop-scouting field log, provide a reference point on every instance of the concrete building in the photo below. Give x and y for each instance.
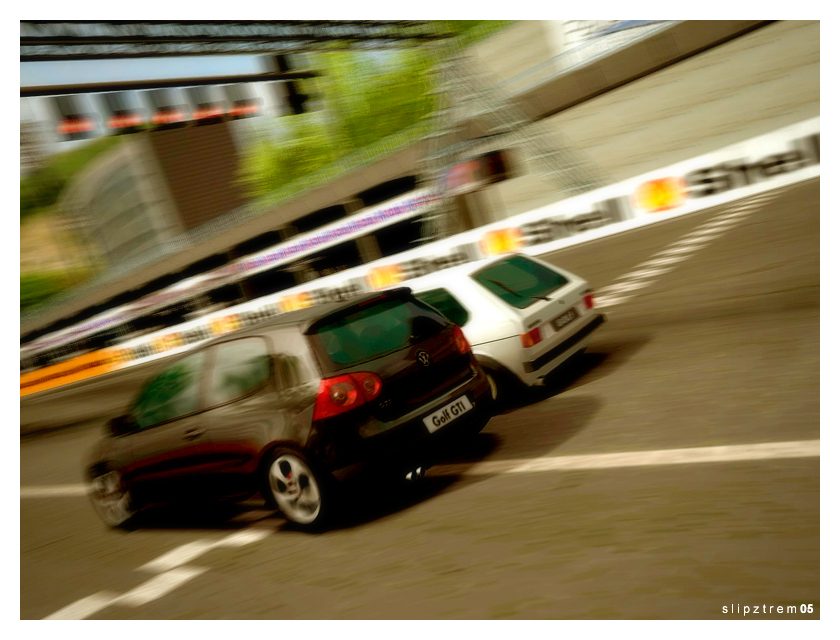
(120, 204)
(32, 146)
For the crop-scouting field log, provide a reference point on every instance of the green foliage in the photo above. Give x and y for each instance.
(36, 288)
(42, 188)
(373, 103)
(368, 98)
(71, 162)
(305, 149)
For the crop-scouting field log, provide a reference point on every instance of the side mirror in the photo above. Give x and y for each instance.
(121, 425)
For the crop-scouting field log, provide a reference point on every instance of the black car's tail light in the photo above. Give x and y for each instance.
(340, 394)
(461, 342)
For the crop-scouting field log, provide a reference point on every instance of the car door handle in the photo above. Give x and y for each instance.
(192, 434)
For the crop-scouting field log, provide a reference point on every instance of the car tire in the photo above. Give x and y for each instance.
(297, 488)
(504, 386)
(112, 500)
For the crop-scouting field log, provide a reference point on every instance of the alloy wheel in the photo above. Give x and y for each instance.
(295, 488)
(111, 499)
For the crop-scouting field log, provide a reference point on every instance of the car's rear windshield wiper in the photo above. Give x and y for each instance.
(516, 293)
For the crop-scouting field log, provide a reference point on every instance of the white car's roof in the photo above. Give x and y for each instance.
(445, 276)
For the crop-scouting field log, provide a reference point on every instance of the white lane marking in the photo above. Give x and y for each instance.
(674, 250)
(609, 301)
(661, 457)
(190, 551)
(736, 215)
(760, 197)
(644, 273)
(85, 607)
(54, 491)
(152, 589)
(721, 225)
(158, 586)
(701, 238)
(653, 262)
(179, 555)
(170, 575)
(624, 286)
(711, 230)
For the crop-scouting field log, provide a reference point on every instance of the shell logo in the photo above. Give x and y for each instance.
(293, 303)
(660, 194)
(224, 324)
(501, 241)
(385, 276)
(167, 342)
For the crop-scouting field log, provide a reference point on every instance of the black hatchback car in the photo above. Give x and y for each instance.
(291, 407)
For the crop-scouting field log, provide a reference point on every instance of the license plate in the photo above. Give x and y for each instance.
(563, 319)
(447, 414)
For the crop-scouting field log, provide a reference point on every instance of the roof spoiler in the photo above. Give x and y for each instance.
(358, 303)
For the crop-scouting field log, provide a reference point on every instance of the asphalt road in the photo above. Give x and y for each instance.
(718, 355)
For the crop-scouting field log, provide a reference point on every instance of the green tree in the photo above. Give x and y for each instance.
(37, 288)
(371, 96)
(304, 149)
(367, 97)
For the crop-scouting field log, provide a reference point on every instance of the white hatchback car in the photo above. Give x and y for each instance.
(522, 316)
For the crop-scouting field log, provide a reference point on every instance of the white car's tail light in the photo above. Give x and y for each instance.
(532, 337)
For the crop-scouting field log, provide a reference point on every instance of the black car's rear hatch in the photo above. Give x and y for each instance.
(415, 352)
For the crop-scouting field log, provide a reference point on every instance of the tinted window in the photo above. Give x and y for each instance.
(240, 367)
(446, 304)
(375, 330)
(171, 394)
(518, 281)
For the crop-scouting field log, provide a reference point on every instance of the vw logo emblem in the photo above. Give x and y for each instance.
(424, 358)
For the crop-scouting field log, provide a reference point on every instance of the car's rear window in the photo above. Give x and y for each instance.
(518, 281)
(374, 331)
(447, 304)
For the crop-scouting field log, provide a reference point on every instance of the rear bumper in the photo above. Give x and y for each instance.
(544, 364)
(406, 442)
